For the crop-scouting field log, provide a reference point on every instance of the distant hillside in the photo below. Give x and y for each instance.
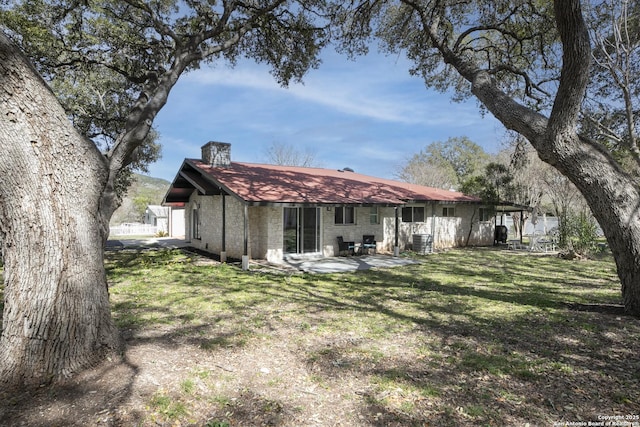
(144, 191)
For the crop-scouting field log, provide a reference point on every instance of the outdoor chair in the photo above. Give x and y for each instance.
(369, 242)
(348, 247)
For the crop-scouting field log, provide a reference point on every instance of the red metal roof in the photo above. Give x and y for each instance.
(262, 183)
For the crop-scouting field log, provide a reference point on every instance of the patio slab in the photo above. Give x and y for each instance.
(300, 263)
(145, 243)
(347, 264)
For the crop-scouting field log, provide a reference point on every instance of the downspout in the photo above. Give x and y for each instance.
(223, 251)
(245, 256)
(396, 248)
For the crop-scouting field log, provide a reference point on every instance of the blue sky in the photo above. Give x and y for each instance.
(369, 115)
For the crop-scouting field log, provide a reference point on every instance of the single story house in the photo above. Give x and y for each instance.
(166, 219)
(158, 216)
(259, 211)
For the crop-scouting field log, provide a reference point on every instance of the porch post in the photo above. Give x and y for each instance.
(223, 251)
(433, 226)
(521, 224)
(245, 256)
(396, 248)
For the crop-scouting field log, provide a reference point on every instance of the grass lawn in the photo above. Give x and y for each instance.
(466, 338)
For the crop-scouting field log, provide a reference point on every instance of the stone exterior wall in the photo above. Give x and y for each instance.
(351, 232)
(265, 233)
(448, 232)
(210, 216)
(266, 228)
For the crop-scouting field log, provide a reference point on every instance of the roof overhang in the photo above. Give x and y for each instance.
(188, 180)
(512, 207)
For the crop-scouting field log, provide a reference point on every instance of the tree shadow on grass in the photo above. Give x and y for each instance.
(545, 354)
(566, 358)
(457, 364)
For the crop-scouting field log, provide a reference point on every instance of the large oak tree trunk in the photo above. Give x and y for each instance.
(614, 199)
(612, 194)
(56, 317)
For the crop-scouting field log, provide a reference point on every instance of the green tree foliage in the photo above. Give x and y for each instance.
(493, 187)
(517, 40)
(445, 164)
(578, 232)
(142, 187)
(113, 63)
(529, 64)
(612, 107)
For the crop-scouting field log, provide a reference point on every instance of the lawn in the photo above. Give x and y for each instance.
(466, 338)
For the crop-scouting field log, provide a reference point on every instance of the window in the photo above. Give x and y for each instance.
(345, 215)
(195, 224)
(484, 214)
(413, 214)
(407, 214)
(448, 211)
(373, 215)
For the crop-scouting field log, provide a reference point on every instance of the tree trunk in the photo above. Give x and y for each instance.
(612, 194)
(56, 318)
(614, 199)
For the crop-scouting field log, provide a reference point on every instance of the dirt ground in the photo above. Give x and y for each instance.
(275, 383)
(118, 392)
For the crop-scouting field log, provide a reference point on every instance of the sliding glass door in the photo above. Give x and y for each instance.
(301, 230)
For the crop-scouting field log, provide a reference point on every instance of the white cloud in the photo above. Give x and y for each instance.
(381, 92)
(369, 115)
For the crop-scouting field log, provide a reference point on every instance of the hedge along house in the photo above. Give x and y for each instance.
(259, 211)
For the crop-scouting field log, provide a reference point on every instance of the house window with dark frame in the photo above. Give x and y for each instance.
(373, 215)
(413, 214)
(345, 215)
(195, 224)
(448, 211)
(484, 214)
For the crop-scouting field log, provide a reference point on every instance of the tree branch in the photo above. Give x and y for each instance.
(512, 114)
(574, 76)
(158, 24)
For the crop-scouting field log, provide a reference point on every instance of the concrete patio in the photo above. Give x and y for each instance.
(145, 243)
(346, 264)
(308, 264)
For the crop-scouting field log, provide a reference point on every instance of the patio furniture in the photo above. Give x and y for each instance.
(534, 242)
(540, 242)
(348, 247)
(548, 243)
(515, 244)
(368, 242)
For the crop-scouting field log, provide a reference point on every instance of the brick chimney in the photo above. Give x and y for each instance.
(217, 154)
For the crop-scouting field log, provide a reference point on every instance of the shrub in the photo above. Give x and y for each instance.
(579, 232)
